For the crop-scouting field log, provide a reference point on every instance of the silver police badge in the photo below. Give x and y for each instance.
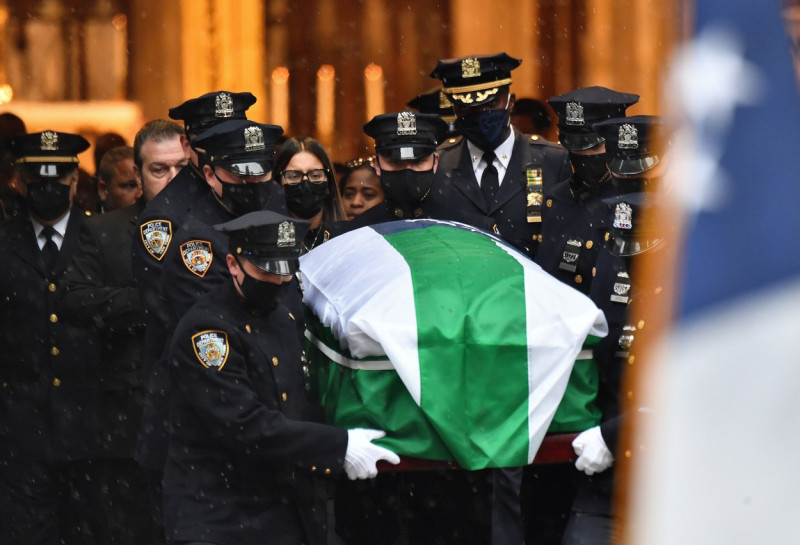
(49, 141)
(621, 288)
(623, 216)
(575, 114)
(286, 234)
(224, 105)
(572, 257)
(253, 139)
(156, 236)
(406, 124)
(197, 256)
(211, 348)
(628, 137)
(470, 68)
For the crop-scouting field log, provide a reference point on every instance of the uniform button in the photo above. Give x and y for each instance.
(53, 318)
(578, 279)
(52, 288)
(327, 471)
(274, 361)
(291, 316)
(56, 382)
(589, 244)
(549, 203)
(248, 328)
(313, 468)
(54, 351)
(5, 385)
(534, 137)
(594, 271)
(607, 236)
(284, 396)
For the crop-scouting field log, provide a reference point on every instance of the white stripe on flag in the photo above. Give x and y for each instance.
(333, 355)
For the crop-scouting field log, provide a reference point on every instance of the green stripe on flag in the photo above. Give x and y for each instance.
(473, 372)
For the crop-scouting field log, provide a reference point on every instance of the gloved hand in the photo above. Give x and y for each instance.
(593, 454)
(361, 455)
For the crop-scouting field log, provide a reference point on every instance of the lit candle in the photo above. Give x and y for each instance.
(279, 89)
(326, 103)
(373, 89)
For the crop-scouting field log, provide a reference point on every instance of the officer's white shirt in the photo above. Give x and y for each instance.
(502, 158)
(58, 237)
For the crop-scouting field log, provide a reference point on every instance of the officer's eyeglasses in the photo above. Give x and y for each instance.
(315, 176)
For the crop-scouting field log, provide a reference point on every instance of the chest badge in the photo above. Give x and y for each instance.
(197, 256)
(156, 236)
(211, 348)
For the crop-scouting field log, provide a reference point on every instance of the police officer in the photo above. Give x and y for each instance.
(242, 453)
(436, 102)
(494, 170)
(574, 214)
(573, 228)
(47, 365)
(636, 149)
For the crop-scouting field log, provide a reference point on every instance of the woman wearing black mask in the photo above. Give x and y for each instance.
(305, 171)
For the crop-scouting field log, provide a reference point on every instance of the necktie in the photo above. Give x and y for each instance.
(489, 181)
(50, 248)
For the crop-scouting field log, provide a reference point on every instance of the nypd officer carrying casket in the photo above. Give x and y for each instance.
(493, 171)
(243, 452)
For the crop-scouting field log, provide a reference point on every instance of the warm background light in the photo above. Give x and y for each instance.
(279, 91)
(326, 103)
(374, 85)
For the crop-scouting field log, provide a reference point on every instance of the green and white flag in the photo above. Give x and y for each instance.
(449, 339)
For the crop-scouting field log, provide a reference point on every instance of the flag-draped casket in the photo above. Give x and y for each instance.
(452, 341)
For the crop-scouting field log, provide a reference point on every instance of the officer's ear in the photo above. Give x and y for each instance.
(376, 165)
(211, 180)
(233, 265)
(435, 161)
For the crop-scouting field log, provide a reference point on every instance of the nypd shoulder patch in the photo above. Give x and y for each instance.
(156, 236)
(197, 256)
(211, 348)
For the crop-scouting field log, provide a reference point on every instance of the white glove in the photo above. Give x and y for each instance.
(593, 454)
(361, 455)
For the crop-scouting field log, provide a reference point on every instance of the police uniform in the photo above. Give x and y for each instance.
(436, 102)
(243, 455)
(532, 165)
(46, 366)
(634, 146)
(574, 214)
(408, 136)
(99, 294)
(195, 262)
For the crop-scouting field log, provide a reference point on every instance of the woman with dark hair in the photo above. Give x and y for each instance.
(360, 187)
(305, 172)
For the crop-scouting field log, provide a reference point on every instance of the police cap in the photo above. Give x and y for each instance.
(48, 154)
(406, 135)
(268, 240)
(210, 109)
(243, 147)
(581, 108)
(633, 144)
(472, 81)
(433, 102)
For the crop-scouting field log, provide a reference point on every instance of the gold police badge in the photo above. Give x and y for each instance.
(197, 256)
(49, 141)
(211, 348)
(156, 236)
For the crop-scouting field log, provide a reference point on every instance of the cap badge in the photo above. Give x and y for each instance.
(49, 141)
(575, 114)
(211, 348)
(406, 124)
(623, 216)
(224, 105)
(253, 139)
(444, 102)
(286, 234)
(628, 137)
(470, 68)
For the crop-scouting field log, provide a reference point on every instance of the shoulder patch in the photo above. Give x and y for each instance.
(156, 236)
(197, 256)
(211, 348)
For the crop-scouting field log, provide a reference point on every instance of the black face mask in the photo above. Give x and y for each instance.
(406, 187)
(589, 170)
(243, 198)
(487, 129)
(48, 200)
(305, 199)
(263, 296)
